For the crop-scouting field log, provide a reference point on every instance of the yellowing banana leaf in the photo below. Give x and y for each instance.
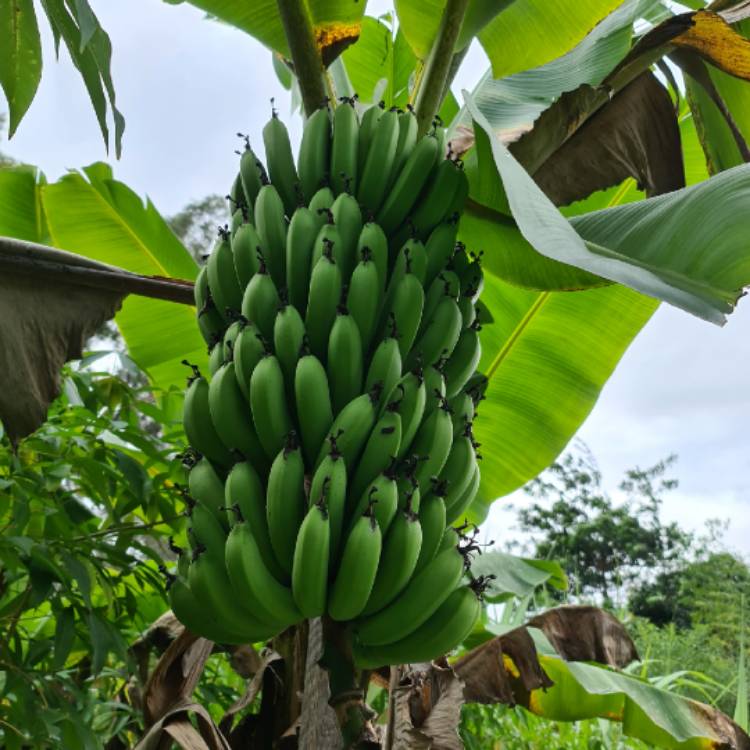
(103, 219)
(687, 248)
(336, 23)
(547, 356)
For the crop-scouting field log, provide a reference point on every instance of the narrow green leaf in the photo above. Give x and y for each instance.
(87, 21)
(21, 57)
(64, 637)
(100, 641)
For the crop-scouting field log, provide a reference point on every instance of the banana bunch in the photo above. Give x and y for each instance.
(331, 447)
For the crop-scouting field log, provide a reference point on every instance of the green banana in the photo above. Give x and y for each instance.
(385, 366)
(456, 511)
(236, 195)
(406, 309)
(244, 556)
(310, 568)
(285, 501)
(432, 523)
(373, 238)
(344, 360)
(268, 405)
(379, 451)
(261, 300)
(472, 278)
(303, 228)
(409, 183)
(446, 629)
(411, 258)
(313, 400)
(207, 530)
(206, 487)
(468, 311)
(439, 249)
(450, 539)
(231, 417)
(245, 247)
(313, 161)
(329, 485)
(352, 426)
(247, 351)
(244, 490)
(440, 337)
(211, 324)
(348, 219)
(239, 217)
(459, 467)
(442, 286)
(462, 412)
(210, 585)
(215, 357)
(363, 297)
(434, 384)
(377, 167)
(344, 147)
(196, 618)
(463, 361)
(401, 549)
(222, 278)
(325, 293)
(367, 127)
(407, 140)
(271, 226)
(288, 337)
(327, 239)
(424, 593)
(435, 202)
(250, 175)
(281, 162)
(433, 441)
(458, 202)
(230, 336)
(321, 201)
(356, 574)
(383, 491)
(411, 407)
(199, 428)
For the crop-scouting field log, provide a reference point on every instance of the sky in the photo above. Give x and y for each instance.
(187, 85)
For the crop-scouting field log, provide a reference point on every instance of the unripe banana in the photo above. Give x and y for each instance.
(300, 239)
(411, 256)
(380, 450)
(434, 384)
(247, 351)
(199, 428)
(313, 162)
(370, 119)
(206, 487)
(344, 360)
(288, 337)
(251, 575)
(271, 226)
(432, 522)
(351, 427)
(407, 140)
(344, 148)
(245, 247)
(211, 324)
(206, 530)
(285, 501)
(409, 183)
(424, 593)
(468, 311)
(450, 539)
(310, 568)
(462, 412)
(472, 278)
(244, 489)
(281, 162)
(239, 217)
(325, 293)
(359, 565)
(463, 361)
(231, 416)
(411, 407)
(385, 367)
(433, 441)
(230, 336)
(363, 298)
(329, 484)
(250, 174)
(377, 167)
(459, 468)
(348, 219)
(222, 278)
(457, 510)
(445, 630)
(458, 202)
(439, 249)
(397, 561)
(313, 400)
(237, 194)
(268, 405)
(437, 198)
(321, 201)
(406, 309)
(261, 301)
(373, 238)
(215, 357)
(327, 240)
(440, 336)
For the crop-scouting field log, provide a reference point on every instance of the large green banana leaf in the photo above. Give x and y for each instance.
(93, 215)
(335, 23)
(688, 247)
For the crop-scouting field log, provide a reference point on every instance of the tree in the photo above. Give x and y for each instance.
(604, 547)
(547, 351)
(197, 223)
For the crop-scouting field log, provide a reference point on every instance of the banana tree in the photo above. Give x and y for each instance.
(592, 204)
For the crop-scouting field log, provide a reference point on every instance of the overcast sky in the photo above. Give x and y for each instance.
(187, 85)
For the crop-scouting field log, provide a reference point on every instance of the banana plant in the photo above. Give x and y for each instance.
(592, 205)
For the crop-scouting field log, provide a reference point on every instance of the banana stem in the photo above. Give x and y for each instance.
(437, 68)
(308, 66)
